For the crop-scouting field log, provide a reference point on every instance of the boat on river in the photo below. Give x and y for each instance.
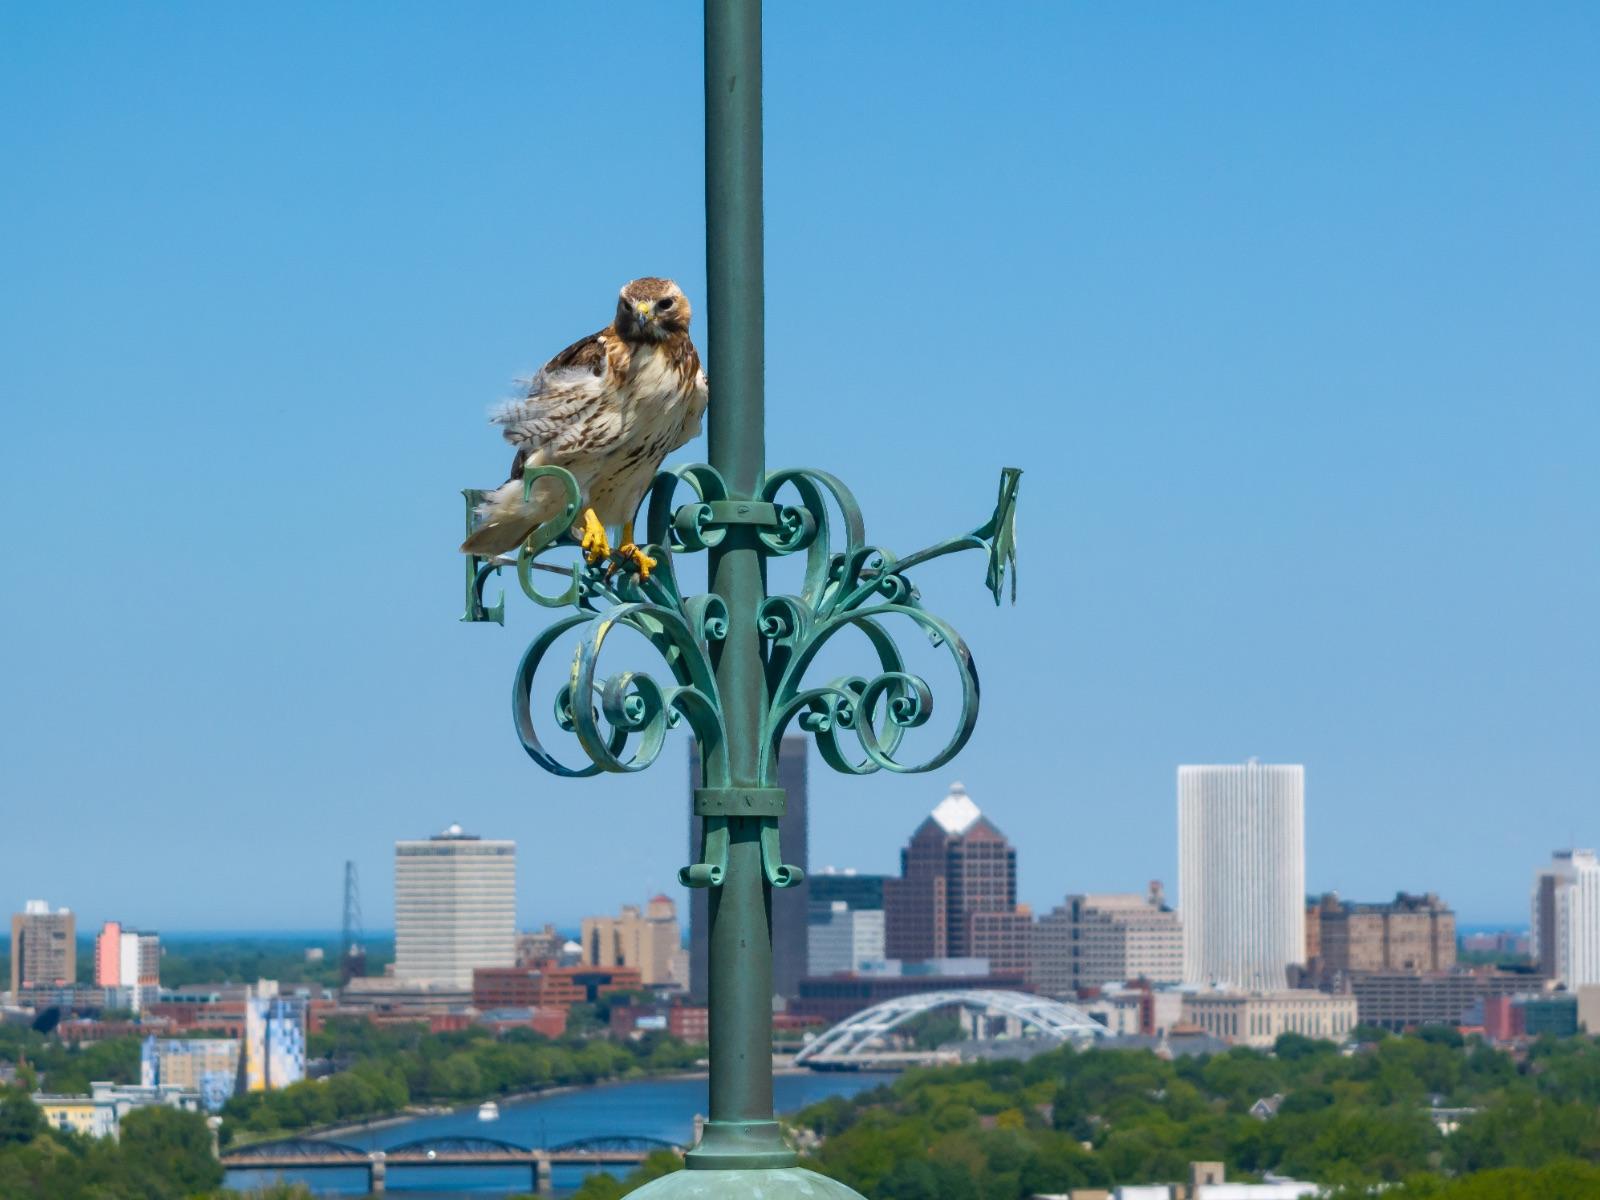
(488, 1111)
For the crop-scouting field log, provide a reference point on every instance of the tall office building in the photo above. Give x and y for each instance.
(126, 958)
(455, 907)
(1241, 873)
(44, 946)
(789, 905)
(648, 941)
(1093, 940)
(1566, 918)
(957, 892)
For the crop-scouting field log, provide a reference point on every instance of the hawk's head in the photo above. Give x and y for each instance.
(652, 310)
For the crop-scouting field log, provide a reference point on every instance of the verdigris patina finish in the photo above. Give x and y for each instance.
(735, 661)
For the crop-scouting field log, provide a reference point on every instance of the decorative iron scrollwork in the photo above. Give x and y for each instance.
(621, 720)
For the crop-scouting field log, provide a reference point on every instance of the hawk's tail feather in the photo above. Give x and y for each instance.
(505, 519)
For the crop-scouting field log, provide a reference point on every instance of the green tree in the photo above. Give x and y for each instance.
(172, 1145)
(20, 1119)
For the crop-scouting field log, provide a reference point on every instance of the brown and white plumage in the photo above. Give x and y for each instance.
(609, 409)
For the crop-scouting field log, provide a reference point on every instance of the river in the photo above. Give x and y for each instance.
(659, 1108)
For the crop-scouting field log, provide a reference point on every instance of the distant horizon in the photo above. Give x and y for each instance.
(387, 935)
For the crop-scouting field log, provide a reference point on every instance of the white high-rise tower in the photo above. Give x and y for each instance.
(1566, 918)
(1242, 873)
(455, 907)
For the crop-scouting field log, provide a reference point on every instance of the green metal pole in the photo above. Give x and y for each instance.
(741, 1132)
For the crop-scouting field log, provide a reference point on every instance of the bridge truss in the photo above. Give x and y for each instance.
(860, 1039)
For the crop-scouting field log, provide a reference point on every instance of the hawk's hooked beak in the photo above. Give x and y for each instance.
(641, 309)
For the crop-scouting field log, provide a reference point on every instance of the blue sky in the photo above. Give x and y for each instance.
(1288, 312)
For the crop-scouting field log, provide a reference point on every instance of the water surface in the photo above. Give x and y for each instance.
(658, 1108)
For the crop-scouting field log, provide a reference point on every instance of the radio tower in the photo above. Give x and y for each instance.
(352, 954)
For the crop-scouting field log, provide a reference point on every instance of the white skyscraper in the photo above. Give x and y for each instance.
(1241, 873)
(1566, 918)
(455, 907)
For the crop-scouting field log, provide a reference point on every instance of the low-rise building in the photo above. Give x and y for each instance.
(386, 1001)
(84, 1031)
(692, 1022)
(100, 1113)
(1259, 1018)
(1400, 1000)
(547, 1022)
(1552, 1015)
(1134, 1008)
(548, 986)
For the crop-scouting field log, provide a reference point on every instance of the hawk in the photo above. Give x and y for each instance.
(608, 408)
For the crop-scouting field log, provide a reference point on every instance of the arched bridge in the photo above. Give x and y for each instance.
(298, 1154)
(291, 1151)
(862, 1040)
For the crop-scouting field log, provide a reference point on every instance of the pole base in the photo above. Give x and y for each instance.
(740, 1146)
(787, 1183)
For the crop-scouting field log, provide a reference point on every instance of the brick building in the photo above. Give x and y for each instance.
(1408, 933)
(548, 986)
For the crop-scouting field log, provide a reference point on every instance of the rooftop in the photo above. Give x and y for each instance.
(956, 813)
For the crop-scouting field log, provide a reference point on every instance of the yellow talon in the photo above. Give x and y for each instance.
(595, 546)
(630, 553)
(641, 561)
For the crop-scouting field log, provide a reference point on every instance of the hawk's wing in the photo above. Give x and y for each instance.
(699, 393)
(568, 409)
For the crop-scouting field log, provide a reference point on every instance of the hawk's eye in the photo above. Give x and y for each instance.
(665, 304)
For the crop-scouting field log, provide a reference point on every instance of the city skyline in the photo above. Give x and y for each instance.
(535, 909)
(1309, 466)
(527, 917)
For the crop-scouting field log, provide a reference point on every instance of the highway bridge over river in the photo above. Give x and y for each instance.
(301, 1154)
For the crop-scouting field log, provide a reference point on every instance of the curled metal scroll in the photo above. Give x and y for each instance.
(859, 722)
(850, 584)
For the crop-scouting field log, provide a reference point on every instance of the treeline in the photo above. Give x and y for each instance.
(190, 960)
(162, 1154)
(46, 1061)
(381, 1070)
(1005, 1130)
(1565, 1179)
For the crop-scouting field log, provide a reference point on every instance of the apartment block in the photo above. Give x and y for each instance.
(1092, 940)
